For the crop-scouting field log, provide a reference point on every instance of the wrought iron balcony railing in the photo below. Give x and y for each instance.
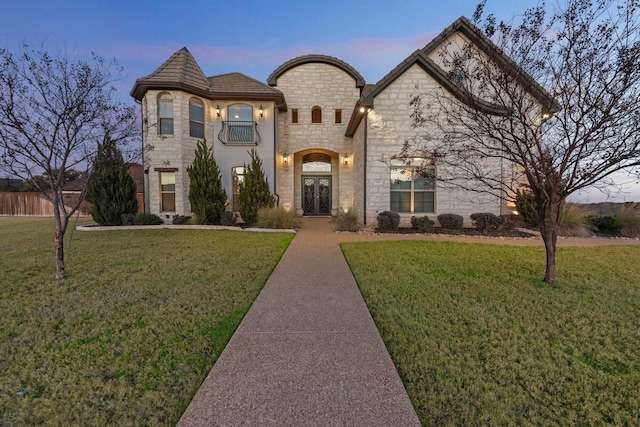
(239, 133)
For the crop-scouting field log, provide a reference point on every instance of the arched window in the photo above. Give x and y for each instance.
(240, 123)
(316, 115)
(165, 114)
(412, 185)
(196, 118)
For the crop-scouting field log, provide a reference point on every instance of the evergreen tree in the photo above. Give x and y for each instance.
(206, 194)
(111, 190)
(254, 190)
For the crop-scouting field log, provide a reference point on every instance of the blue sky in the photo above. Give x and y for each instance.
(251, 37)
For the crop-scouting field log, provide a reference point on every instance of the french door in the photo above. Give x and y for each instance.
(316, 198)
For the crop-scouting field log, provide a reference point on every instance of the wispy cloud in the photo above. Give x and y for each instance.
(368, 56)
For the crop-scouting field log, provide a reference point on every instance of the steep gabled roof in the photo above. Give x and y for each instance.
(421, 58)
(180, 71)
(310, 59)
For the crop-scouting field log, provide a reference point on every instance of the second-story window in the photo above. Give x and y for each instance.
(165, 114)
(196, 118)
(240, 127)
(294, 115)
(338, 116)
(316, 115)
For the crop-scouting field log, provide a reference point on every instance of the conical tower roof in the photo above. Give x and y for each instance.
(179, 71)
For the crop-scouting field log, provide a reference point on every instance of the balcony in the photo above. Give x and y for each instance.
(239, 133)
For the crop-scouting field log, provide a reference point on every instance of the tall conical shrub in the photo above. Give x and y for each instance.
(111, 190)
(206, 194)
(254, 190)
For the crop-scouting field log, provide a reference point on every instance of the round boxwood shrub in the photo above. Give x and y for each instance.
(423, 224)
(181, 219)
(450, 221)
(485, 221)
(388, 221)
(147, 219)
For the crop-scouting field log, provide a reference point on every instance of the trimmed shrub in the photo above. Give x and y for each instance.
(181, 219)
(254, 190)
(423, 224)
(451, 221)
(485, 221)
(111, 190)
(388, 221)
(229, 219)
(127, 218)
(147, 219)
(278, 218)
(206, 194)
(346, 221)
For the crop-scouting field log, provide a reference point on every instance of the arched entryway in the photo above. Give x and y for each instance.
(316, 184)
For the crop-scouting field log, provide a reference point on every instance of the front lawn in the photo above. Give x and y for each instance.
(478, 339)
(128, 336)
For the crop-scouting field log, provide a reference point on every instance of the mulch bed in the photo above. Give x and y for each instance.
(464, 232)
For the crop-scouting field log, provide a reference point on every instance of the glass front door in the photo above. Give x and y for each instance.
(316, 195)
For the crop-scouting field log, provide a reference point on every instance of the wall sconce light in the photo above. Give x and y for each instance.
(218, 110)
(261, 111)
(285, 159)
(346, 159)
(546, 116)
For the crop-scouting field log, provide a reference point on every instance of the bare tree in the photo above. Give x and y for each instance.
(54, 110)
(552, 103)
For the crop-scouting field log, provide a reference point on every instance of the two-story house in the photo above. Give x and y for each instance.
(327, 140)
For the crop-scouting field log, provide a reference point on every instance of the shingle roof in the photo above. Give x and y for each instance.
(181, 72)
(237, 85)
(180, 69)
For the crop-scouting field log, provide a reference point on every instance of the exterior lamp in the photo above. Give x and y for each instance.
(285, 159)
(346, 159)
(261, 111)
(218, 110)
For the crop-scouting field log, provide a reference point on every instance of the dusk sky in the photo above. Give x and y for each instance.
(250, 37)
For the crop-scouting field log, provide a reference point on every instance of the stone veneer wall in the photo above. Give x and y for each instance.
(389, 125)
(306, 86)
(177, 151)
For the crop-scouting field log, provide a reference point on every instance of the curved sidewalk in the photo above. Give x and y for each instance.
(306, 353)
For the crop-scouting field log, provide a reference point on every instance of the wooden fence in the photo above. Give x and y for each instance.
(35, 204)
(31, 204)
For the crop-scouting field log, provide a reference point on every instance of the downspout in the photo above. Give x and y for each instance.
(364, 188)
(275, 158)
(145, 171)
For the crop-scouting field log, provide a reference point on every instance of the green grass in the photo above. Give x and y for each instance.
(128, 336)
(478, 339)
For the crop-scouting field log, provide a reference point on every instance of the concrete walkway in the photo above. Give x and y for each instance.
(306, 353)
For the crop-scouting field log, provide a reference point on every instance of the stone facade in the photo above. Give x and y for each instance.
(356, 130)
(334, 92)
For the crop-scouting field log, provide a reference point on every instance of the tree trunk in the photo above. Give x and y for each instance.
(61, 227)
(59, 240)
(549, 223)
(550, 238)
